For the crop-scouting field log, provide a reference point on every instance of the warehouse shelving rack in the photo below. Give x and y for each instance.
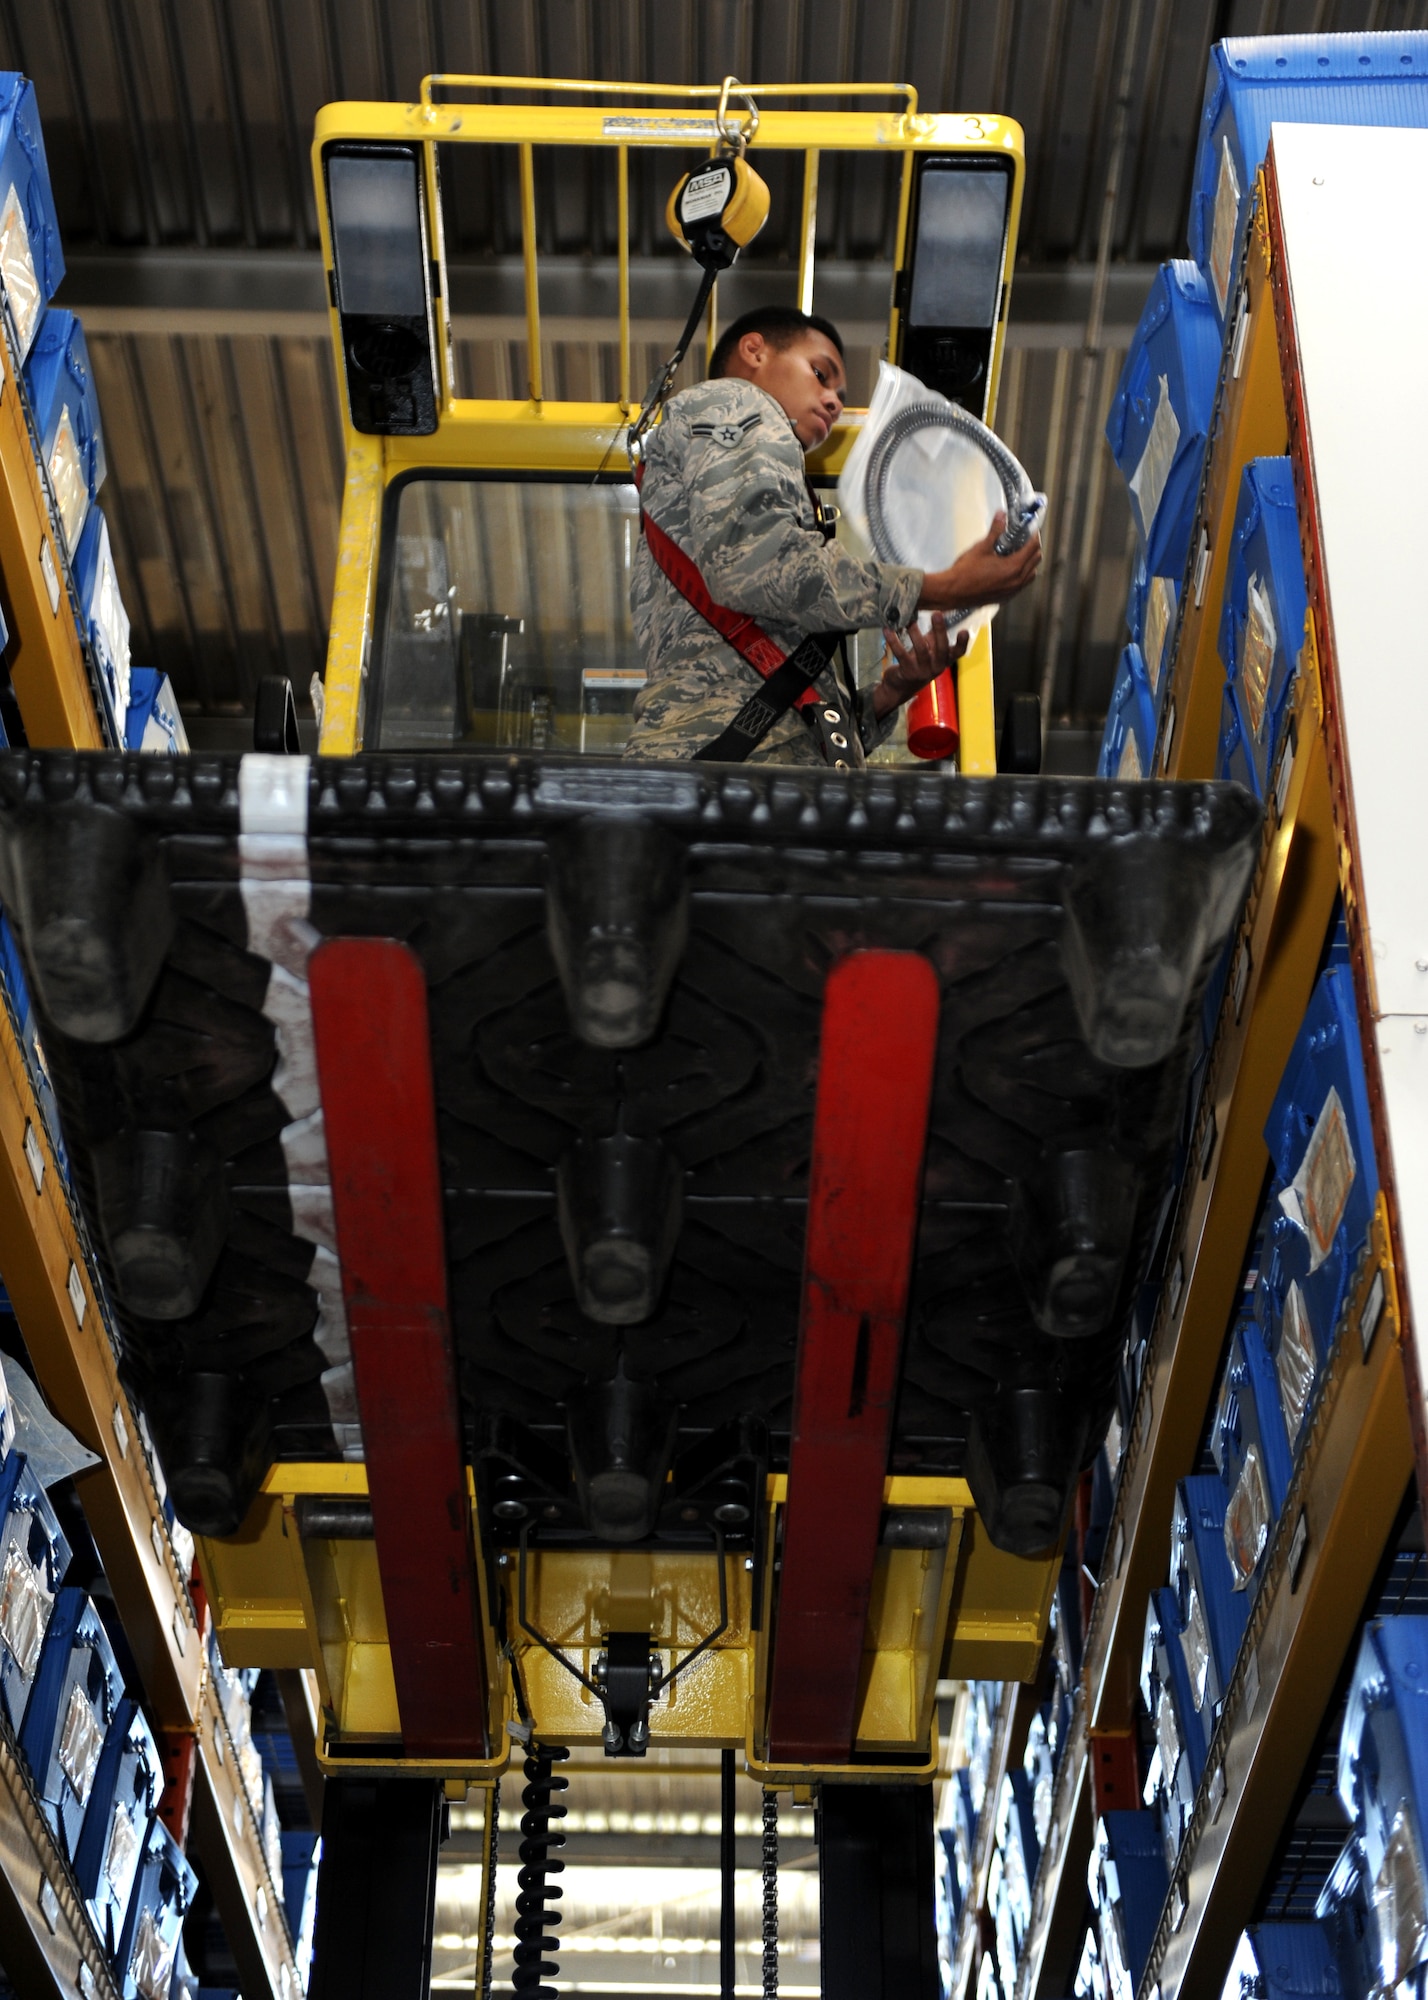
(58, 1299)
(1358, 1453)
(57, 1295)
(52, 670)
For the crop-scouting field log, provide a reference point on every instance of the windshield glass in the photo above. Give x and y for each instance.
(504, 619)
(507, 621)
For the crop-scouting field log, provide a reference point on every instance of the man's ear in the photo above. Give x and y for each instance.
(754, 350)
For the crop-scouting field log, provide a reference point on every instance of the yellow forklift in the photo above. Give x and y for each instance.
(614, 1255)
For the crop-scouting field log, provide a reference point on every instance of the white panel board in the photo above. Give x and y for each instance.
(1355, 208)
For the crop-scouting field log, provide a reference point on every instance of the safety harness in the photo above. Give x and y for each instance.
(789, 679)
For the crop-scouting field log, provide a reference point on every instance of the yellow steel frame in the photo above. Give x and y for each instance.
(281, 1601)
(541, 434)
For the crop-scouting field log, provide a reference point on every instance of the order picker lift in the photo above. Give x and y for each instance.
(611, 1254)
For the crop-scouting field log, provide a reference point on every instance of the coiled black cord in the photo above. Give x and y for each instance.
(770, 1858)
(536, 1939)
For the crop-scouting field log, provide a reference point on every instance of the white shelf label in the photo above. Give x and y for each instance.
(1372, 1313)
(49, 1906)
(34, 1155)
(237, 1817)
(156, 1536)
(1251, 1684)
(1217, 1792)
(1244, 965)
(180, 1630)
(50, 574)
(121, 1430)
(74, 1285)
(1202, 565)
(1297, 1548)
(1241, 336)
(1177, 1285)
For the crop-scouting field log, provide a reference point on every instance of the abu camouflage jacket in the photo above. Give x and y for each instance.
(724, 478)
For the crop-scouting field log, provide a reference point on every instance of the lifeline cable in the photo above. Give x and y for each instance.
(1024, 506)
(770, 1863)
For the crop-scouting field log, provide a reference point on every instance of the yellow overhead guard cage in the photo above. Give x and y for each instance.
(381, 161)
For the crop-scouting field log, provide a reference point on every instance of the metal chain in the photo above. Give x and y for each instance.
(770, 1896)
(489, 1954)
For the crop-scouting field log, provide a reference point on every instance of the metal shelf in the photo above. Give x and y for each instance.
(1347, 1488)
(1012, 1709)
(1358, 1457)
(50, 668)
(47, 1943)
(58, 1302)
(1250, 421)
(1058, 1894)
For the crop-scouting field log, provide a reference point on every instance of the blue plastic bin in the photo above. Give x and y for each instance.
(1179, 1736)
(60, 384)
(163, 1894)
(126, 1794)
(106, 620)
(1251, 1450)
(1376, 79)
(1346, 1912)
(31, 259)
(1212, 1613)
(34, 1556)
(72, 1709)
(27, 1030)
(1383, 1765)
(1129, 1882)
(1160, 414)
(1128, 744)
(1262, 623)
(1284, 1962)
(1321, 1141)
(153, 723)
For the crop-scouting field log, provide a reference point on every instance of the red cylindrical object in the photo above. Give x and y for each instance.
(932, 729)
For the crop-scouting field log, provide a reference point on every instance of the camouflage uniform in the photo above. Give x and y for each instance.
(724, 478)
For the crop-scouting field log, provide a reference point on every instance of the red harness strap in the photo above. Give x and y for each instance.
(744, 634)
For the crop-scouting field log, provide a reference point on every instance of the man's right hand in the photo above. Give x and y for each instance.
(980, 575)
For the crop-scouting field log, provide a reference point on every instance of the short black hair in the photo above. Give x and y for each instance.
(780, 326)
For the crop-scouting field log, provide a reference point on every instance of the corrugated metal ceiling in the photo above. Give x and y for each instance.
(178, 140)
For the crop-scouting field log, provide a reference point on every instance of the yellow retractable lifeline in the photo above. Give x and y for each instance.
(714, 211)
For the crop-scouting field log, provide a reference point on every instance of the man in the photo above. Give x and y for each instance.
(724, 481)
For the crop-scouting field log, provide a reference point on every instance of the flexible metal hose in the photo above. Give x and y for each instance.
(536, 1939)
(488, 1955)
(1024, 506)
(770, 1858)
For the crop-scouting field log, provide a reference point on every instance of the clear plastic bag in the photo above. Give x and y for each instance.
(1247, 1520)
(152, 1966)
(25, 1607)
(81, 1741)
(1399, 1903)
(123, 1846)
(1195, 1643)
(939, 501)
(1295, 1362)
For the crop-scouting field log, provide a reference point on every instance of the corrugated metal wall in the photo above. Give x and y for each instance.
(181, 132)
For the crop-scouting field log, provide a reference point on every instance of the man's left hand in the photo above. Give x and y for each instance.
(917, 658)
